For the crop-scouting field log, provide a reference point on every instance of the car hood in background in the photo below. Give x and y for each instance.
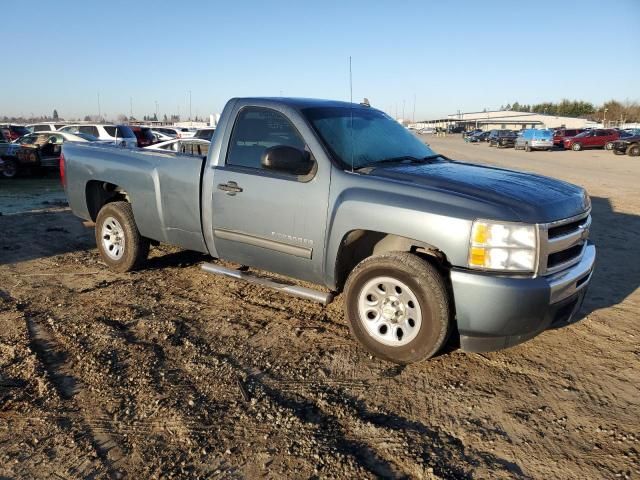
(534, 198)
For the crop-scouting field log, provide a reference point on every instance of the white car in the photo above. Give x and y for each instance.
(45, 127)
(187, 146)
(176, 132)
(122, 133)
(161, 137)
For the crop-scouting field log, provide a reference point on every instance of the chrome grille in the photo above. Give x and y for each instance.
(562, 243)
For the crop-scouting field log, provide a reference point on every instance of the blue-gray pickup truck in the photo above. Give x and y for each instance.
(342, 196)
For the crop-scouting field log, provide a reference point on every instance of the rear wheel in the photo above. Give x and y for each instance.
(609, 146)
(527, 148)
(576, 147)
(10, 169)
(119, 242)
(633, 150)
(398, 307)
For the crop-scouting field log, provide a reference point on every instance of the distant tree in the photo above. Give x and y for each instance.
(122, 118)
(516, 107)
(55, 114)
(87, 118)
(155, 117)
(165, 117)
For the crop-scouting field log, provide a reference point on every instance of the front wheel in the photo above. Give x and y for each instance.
(398, 307)
(609, 146)
(576, 147)
(119, 242)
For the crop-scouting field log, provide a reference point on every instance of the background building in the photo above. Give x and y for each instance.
(505, 119)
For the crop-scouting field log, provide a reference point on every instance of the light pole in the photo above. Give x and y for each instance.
(189, 105)
(604, 118)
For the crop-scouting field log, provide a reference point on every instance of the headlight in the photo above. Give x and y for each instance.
(503, 246)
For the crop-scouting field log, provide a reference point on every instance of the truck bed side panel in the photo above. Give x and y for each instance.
(164, 189)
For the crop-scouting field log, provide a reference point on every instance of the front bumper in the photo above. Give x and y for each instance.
(496, 312)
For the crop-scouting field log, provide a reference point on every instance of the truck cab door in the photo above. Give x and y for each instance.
(264, 218)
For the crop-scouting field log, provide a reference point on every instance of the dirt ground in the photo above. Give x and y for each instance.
(170, 372)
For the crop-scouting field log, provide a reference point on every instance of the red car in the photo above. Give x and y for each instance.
(597, 138)
(144, 135)
(561, 133)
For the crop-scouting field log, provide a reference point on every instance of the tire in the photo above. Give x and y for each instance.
(527, 148)
(576, 147)
(608, 146)
(383, 322)
(10, 169)
(119, 242)
(633, 150)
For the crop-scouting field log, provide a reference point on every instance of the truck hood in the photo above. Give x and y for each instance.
(532, 198)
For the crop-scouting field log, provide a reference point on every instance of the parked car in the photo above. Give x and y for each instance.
(188, 146)
(596, 138)
(144, 135)
(502, 138)
(427, 131)
(533, 139)
(408, 236)
(160, 137)
(45, 127)
(37, 150)
(629, 145)
(470, 133)
(13, 132)
(205, 133)
(632, 131)
(176, 132)
(561, 133)
(120, 133)
(478, 137)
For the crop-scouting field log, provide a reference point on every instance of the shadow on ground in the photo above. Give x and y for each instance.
(617, 271)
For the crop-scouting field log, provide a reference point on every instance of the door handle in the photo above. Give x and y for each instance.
(230, 187)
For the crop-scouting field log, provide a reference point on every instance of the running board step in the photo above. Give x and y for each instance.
(325, 298)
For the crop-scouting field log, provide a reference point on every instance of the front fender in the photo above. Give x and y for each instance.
(398, 214)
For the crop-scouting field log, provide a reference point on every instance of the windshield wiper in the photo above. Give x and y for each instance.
(402, 159)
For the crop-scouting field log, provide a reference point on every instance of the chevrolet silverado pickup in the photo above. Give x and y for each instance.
(342, 196)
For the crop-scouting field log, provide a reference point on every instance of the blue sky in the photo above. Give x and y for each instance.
(450, 55)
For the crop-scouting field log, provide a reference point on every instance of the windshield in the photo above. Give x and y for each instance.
(375, 136)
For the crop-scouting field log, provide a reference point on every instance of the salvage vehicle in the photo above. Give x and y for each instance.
(596, 138)
(533, 139)
(45, 127)
(342, 196)
(144, 135)
(629, 145)
(502, 138)
(35, 151)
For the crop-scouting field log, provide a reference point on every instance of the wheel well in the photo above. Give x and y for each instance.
(360, 244)
(99, 193)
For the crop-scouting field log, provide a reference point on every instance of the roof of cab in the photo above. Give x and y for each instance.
(304, 102)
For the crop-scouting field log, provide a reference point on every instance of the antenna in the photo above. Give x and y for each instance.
(351, 109)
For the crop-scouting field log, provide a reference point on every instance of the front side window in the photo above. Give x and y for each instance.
(41, 128)
(257, 129)
(362, 136)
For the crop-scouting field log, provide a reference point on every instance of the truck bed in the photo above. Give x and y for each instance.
(163, 188)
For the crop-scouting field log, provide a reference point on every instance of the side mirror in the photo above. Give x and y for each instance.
(286, 159)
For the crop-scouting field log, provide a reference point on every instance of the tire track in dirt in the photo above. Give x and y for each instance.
(55, 361)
